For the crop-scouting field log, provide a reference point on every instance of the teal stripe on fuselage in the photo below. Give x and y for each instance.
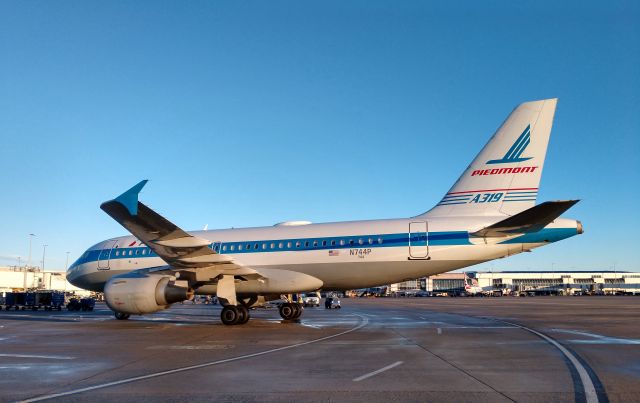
(544, 235)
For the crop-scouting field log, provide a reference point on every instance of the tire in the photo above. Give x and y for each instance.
(243, 313)
(229, 315)
(121, 315)
(287, 311)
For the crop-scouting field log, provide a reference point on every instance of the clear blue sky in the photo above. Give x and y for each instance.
(250, 113)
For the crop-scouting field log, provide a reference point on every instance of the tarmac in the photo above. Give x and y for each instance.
(529, 349)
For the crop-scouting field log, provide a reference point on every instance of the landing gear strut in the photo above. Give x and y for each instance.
(290, 311)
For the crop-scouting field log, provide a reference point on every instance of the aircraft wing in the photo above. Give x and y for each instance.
(176, 247)
(530, 220)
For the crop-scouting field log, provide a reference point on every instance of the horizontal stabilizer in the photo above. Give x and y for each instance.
(530, 220)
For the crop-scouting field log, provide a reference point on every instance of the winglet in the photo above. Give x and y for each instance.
(129, 199)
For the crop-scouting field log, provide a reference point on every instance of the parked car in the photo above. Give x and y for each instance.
(311, 300)
(332, 303)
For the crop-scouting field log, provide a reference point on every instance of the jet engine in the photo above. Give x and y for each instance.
(140, 293)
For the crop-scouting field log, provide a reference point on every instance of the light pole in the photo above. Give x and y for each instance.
(30, 239)
(66, 265)
(44, 250)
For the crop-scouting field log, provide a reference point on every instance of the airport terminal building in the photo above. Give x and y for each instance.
(536, 282)
(15, 278)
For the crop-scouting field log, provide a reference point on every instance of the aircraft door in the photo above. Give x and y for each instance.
(105, 255)
(418, 240)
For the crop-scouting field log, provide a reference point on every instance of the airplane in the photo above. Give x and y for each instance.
(489, 213)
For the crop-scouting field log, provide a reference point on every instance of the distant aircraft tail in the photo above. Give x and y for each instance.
(504, 177)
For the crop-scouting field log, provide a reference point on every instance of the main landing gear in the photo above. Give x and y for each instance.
(290, 311)
(234, 315)
(233, 311)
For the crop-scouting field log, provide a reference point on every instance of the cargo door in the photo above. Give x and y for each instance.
(418, 240)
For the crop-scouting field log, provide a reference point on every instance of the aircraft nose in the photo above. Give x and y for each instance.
(72, 274)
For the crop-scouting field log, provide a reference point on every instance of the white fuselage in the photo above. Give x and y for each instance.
(343, 255)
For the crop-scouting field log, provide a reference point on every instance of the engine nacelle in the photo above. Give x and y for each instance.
(139, 293)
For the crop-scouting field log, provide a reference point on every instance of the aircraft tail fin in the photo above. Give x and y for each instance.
(504, 177)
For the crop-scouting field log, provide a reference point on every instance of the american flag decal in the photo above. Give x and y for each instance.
(334, 252)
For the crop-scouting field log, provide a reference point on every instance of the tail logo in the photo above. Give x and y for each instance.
(516, 150)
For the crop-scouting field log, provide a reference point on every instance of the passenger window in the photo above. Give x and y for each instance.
(216, 247)
(248, 246)
(351, 242)
(137, 252)
(264, 246)
(273, 245)
(360, 241)
(288, 245)
(224, 248)
(370, 241)
(315, 244)
(144, 252)
(117, 253)
(280, 245)
(342, 242)
(333, 242)
(256, 246)
(324, 243)
(239, 246)
(130, 252)
(298, 244)
(232, 247)
(306, 244)
(380, 240)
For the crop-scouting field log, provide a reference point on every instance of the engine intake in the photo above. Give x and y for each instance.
(140, 294)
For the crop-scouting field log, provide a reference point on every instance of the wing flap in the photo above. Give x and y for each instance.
(530, 220)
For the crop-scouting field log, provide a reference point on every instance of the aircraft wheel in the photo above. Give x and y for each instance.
(230, 315)
(243, 314)
(298, 310)
(121, 315)
(287, 311)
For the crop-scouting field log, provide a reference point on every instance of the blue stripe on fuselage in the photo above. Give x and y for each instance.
(306, 244)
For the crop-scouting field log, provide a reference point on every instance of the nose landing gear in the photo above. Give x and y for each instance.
(121, 315)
